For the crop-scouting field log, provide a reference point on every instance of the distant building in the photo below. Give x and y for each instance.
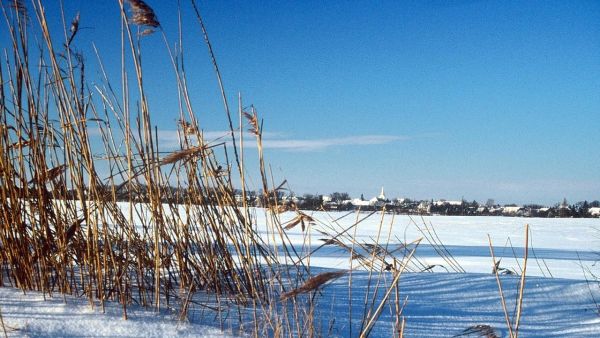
(400, 201)
(444, 207)
(545, 212)
(381, 196)
(423, 207)
(379, 201)
(375, 202)
(357, 202)
(594, 212)
(563, 209)
(444, 202)
(513, 211)
(495, 211)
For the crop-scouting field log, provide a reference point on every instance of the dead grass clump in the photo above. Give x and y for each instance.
(302, 219)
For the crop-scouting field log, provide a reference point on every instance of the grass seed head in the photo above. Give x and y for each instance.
(143, 15)
(314, 283)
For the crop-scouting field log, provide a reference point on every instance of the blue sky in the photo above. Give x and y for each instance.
(430, 99)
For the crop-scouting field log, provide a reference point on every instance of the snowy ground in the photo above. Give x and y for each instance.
(29, 315)
(559, 302)
(559, 247)
(445, 305)
(438, 304)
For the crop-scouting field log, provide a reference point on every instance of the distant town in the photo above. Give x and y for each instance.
(344, 202)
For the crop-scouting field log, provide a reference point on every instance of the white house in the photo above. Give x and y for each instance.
(595, 212)
(357, 202)
(444, 202)
(423, 206)
(512, 210)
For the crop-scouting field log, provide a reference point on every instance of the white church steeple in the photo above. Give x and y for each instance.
(382, 195)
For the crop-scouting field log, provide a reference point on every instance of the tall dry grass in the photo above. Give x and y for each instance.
(139, 225)
(71, 227)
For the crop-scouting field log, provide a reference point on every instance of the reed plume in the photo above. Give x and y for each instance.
(142, 14)
(314, 283)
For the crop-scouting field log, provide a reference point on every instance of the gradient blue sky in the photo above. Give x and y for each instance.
(430, 99)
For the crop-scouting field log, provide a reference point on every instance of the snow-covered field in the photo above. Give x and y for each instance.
(445, 305)
(558, 246)
(29, 315)
(559, 301)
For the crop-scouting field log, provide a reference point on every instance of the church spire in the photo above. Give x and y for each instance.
(382, 195)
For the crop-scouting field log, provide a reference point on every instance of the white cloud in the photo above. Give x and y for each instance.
(324, 143)
(169, 139)
(274, 140)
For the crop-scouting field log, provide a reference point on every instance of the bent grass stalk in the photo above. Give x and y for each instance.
(512, 325)
(500, 291)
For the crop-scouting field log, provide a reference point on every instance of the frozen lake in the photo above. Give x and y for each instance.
(558, 247)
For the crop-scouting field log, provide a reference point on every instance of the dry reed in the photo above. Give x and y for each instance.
(314, 283)
(512, 325)
(153, 229)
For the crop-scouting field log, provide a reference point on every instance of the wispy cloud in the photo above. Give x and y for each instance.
(325, 143)
(169, 139)
(274, 140)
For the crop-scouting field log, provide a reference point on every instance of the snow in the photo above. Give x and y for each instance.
(559, 301)
(444, 305)
(563, 244)
(439, 304)
(29, 315)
